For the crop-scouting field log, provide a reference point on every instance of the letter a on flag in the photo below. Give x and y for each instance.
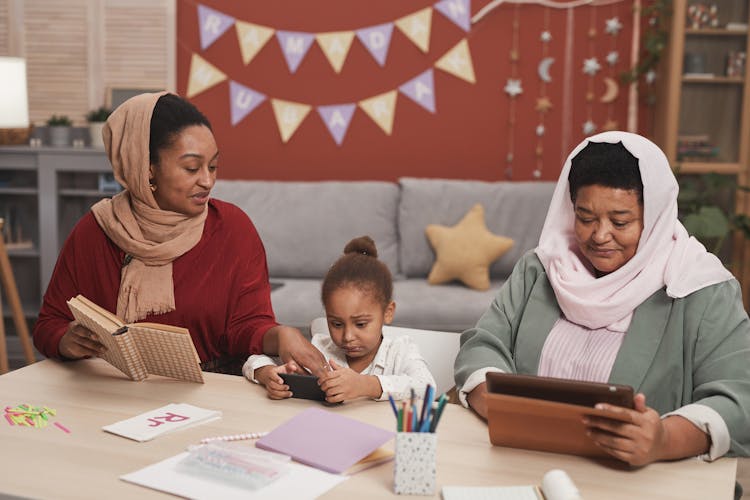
(203, 75)
(252, 38)
(417, 27)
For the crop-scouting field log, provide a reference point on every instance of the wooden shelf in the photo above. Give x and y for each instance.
(714, 32)
(702, 167)
(23, 252)
(714, 79)
(85, 193)
(19, 190)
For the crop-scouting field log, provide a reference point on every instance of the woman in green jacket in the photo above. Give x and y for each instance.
(618, 292)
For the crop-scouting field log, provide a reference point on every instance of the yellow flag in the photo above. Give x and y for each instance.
(417, 27)
(203, 75)
(335, 46)
(252, 38)
(457, 62)
(381, 109)
(289, 115)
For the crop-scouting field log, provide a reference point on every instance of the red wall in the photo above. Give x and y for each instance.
(466, 138)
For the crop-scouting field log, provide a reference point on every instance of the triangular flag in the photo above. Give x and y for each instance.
(381, 109)
(337, 118)
(458, 11)
(203, 75)
(242, 100)
(421, 90)
(252, 38)
(417, 27)
(211, 25)
(377, 40)
(335, 46)
(294, 45)
(289, 115)
(457, 62)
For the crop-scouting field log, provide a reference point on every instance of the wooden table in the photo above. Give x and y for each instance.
(47, 463)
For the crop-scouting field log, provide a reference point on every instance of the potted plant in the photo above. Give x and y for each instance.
(59, 130)
(96, 119)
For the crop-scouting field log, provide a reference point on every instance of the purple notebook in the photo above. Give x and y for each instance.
(325, 440)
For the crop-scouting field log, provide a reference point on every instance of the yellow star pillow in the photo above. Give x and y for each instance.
(466, 250)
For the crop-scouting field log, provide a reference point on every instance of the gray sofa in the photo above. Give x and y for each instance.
(305, 226)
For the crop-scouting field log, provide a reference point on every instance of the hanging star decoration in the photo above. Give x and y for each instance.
(591, 66)
(540, 130)
(546, 37)
(513, 87)
(543, 104)
(610, 125)
(613, 26)
(650, 76)
(613, 57)
(589, 127)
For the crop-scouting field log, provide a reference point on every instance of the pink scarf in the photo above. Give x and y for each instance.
(666, 254)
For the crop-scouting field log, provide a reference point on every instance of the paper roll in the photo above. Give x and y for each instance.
(557, 485)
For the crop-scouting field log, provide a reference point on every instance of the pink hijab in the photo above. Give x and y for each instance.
(666, 254)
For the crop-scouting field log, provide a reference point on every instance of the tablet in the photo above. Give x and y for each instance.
(303, 386)
(546, 414)
(561, 390)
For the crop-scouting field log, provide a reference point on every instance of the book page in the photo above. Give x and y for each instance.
(120, 352)
(167, 351)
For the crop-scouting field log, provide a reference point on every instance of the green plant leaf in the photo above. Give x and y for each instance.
(707, 223)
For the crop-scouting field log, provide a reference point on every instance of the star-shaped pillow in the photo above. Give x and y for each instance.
(466, 250)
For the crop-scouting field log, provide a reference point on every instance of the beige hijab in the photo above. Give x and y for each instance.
(152, 238)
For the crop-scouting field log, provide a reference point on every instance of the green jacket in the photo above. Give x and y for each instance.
(676, 351)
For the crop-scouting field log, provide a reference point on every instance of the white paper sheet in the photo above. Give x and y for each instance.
(169, 418)
(299, 483)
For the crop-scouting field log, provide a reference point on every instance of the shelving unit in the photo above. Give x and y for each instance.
(715, 107)
(43, 193)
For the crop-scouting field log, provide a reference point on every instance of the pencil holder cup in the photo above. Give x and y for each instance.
(414, 470)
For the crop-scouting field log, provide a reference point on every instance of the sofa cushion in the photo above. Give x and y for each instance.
(513, 209)
(305, 225)
(297, 302)
(450, 308)
(465, 251)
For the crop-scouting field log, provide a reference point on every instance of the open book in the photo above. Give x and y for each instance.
(140, 349)
(556, 485)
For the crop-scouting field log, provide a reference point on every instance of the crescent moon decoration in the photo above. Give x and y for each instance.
(543, 69)
(612, 91)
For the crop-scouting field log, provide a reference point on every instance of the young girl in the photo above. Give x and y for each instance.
(357, 296)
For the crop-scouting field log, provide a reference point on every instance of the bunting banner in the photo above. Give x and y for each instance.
(380, 108)
(252, 37)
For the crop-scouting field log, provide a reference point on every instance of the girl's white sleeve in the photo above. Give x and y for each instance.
(409, 371)
(254, 362)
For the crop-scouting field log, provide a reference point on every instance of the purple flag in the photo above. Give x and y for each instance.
(242, 101)
(377, 40)
(212, 24)
(294, 45)
(458, 11)
(337, 118)
(421, 90)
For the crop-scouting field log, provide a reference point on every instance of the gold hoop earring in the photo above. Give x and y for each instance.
(152, 186)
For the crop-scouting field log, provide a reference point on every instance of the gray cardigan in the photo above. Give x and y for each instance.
(676, 351)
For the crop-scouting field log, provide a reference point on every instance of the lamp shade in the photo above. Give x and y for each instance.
(14, 99)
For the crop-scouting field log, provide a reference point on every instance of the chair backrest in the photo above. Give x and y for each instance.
(439, 349)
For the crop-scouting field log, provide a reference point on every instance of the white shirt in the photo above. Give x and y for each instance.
(398, 365)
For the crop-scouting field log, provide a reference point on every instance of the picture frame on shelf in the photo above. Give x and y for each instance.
(116, 95)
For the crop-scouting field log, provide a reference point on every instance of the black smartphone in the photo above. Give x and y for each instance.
(303, 386)
(560, 390)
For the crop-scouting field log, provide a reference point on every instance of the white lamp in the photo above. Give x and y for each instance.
(14, 101)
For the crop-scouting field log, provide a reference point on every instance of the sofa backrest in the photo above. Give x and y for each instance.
(513, 209)
(304, 226)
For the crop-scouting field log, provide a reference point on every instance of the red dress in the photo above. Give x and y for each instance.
(221, 288)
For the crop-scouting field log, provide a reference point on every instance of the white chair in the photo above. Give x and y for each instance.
(439, 349)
